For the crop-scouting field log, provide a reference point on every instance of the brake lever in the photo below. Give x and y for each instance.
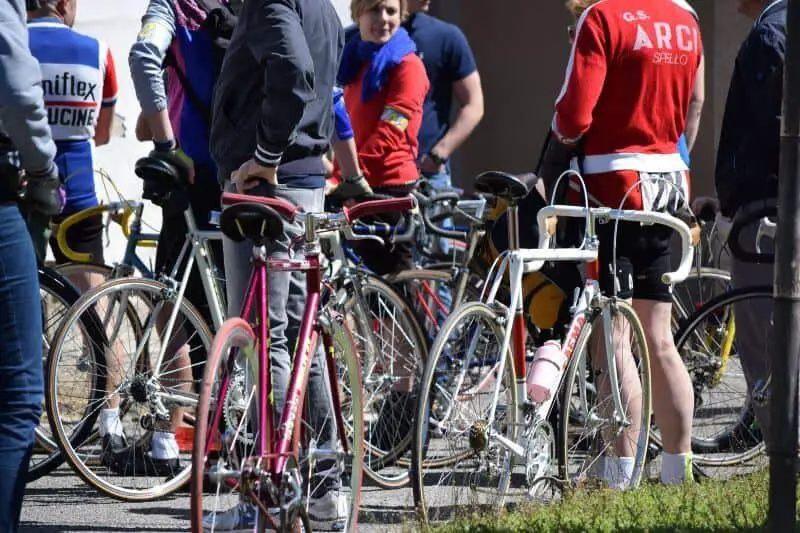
(350, 236)
(766, 228)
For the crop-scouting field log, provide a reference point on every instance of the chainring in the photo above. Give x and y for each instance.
(234, 405)
(540, 446)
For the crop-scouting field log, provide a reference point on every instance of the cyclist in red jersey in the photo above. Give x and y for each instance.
(631, 76)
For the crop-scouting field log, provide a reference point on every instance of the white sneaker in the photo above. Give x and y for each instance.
(239, 519)
(328, 512)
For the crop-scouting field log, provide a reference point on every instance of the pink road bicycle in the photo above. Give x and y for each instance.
(239, 455)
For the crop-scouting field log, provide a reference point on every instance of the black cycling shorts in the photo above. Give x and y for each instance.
(85, 237)
(204, 197)
(643, 257)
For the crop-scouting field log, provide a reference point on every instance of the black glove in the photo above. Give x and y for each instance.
(554, 160)
(176, 156)
(45, 193)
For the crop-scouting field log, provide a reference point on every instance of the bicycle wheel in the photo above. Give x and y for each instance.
(392, 354)
(458, 463)
(701, 285)
(71, 270)
(592, 435)
(432, 294)
(226, 440)
(725, 431)
(224, 437)
(57, 295)
(123, 371)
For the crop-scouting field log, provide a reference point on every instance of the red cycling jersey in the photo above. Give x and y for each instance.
(626, 92)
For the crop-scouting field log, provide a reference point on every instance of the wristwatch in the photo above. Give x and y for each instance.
(436, 159)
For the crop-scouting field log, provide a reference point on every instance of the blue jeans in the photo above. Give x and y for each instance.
(287, 303)
(20, 361)
(441, 181)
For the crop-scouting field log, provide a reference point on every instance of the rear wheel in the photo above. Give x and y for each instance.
(458, 464)
(392, 354)
(120, 371)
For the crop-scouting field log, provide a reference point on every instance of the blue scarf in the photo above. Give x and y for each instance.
(382, 58)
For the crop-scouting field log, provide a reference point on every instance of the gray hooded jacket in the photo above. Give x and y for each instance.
(23, 118)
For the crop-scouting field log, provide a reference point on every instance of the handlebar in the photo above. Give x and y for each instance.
(426, 202)
(376, 207)
(539, 256)
(746, 216)
(120, 212)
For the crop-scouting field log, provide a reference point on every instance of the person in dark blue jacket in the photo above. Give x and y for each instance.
(747, 156)
(747, 171)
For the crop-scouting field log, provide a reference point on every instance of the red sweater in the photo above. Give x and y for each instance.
(627, 91)
(387, 126)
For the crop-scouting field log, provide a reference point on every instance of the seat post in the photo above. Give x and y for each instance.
(513, 225)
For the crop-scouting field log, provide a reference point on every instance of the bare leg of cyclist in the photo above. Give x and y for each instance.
(617, 467)
(673, 395)
(176, 375)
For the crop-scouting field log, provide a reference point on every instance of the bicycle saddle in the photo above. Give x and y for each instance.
(503, 185)
(151, 168)
(251, 221)
(162, 182)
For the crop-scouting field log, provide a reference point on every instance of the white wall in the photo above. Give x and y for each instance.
(343, 8)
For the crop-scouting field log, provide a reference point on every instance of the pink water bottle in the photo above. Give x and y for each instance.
(545, 371)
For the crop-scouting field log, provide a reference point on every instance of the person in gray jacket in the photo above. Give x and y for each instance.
(272, 124)
(26, 144)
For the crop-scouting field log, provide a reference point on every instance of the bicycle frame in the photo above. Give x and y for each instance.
(196, 245)
(276, 447)
(519, 261)
(131, 258)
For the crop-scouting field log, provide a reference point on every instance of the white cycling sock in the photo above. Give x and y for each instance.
(676, 468)
(163, 445)
(109, 422)
(618, 472)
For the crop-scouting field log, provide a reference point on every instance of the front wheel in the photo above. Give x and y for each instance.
(325, 465)
(597, 436)
(712, 343)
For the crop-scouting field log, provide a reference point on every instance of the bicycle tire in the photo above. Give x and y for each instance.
(421, 444)
(159, 292)
(68, 269)
(703, 447)
(53, 283)
(578, 363)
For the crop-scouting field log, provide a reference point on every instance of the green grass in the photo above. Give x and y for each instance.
(735, 505)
